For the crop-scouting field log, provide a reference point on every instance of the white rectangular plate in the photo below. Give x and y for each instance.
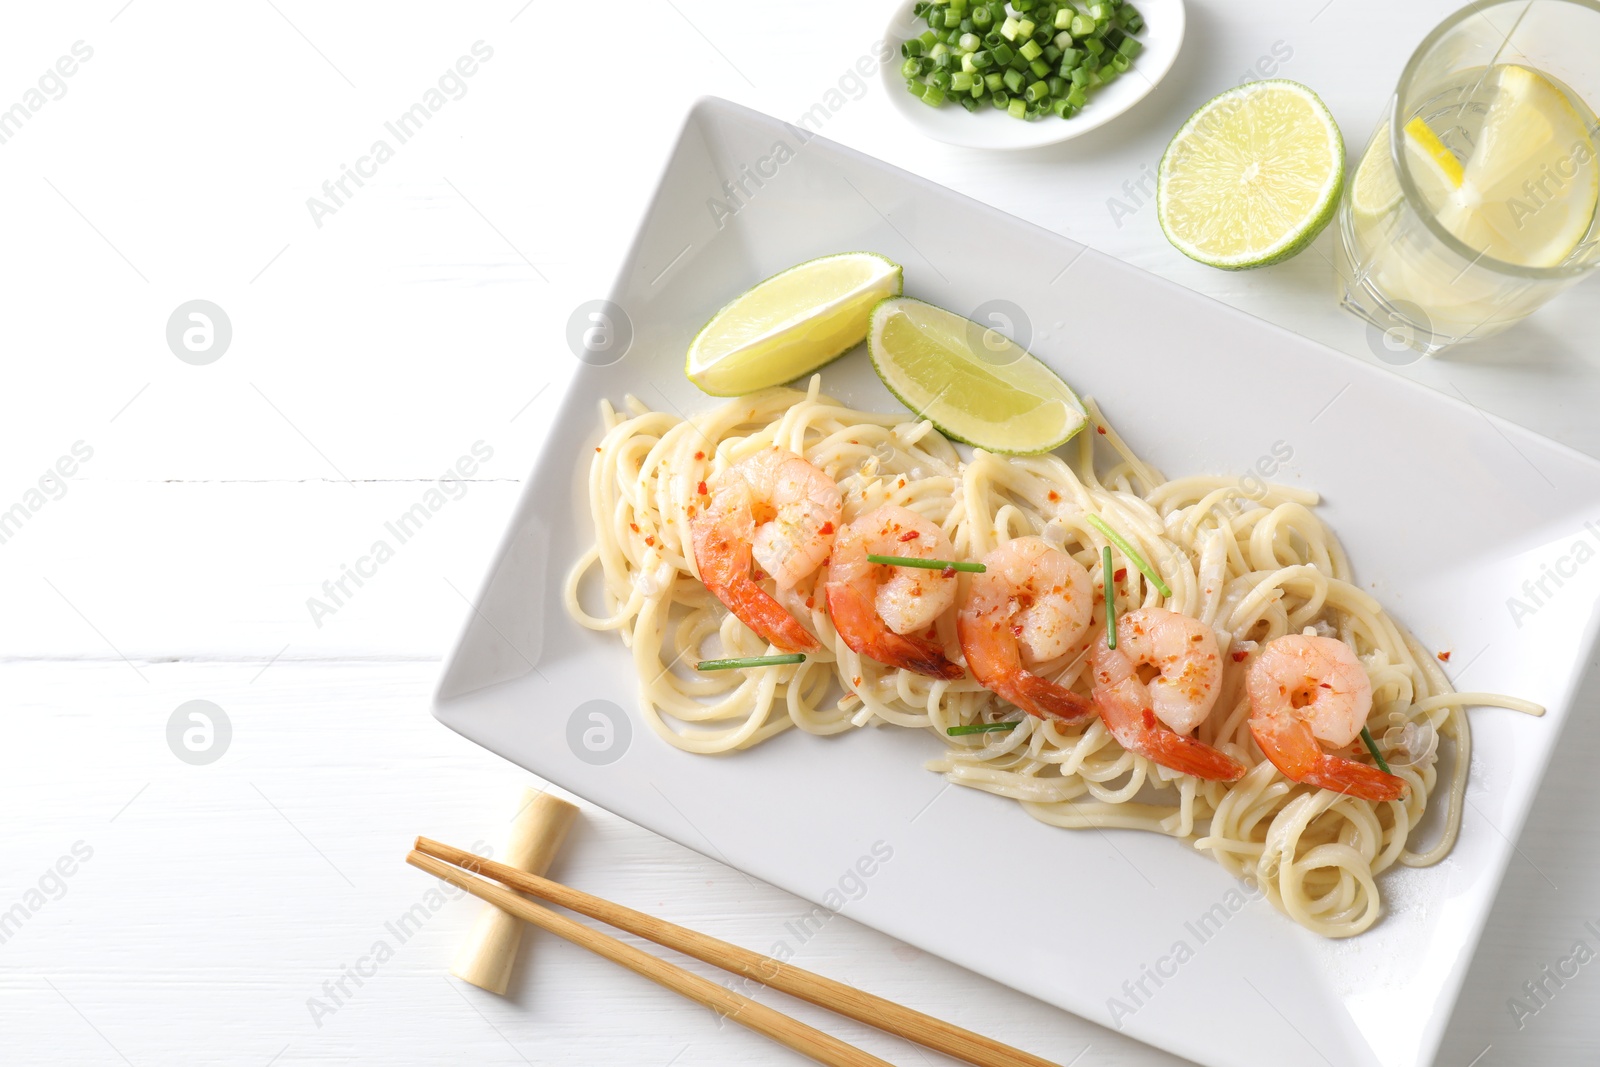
(1445, 511)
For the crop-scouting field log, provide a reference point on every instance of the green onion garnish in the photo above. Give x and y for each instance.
(749, 661)
(1372, 747)
(1133, 557)
(1111, 599)
(981, 728)
(926, 564)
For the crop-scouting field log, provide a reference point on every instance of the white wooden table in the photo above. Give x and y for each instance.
(212, 910)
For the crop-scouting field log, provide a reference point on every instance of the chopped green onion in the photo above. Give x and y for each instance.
(1030, 58)
(1372, 747)
(926, 564)
(739, 664)
(981, 728)
(1131, 555)
(1111, 598)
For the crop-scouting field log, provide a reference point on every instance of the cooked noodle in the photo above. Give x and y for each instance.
(1253, 562)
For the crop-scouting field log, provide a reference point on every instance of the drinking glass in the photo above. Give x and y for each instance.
(1407, 262)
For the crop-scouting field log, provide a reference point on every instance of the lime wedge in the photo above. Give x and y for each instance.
(790, 324)
(1252, 177)
(974, 384)
(1530, 187)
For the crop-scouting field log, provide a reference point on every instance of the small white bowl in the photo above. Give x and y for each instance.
(991, 128)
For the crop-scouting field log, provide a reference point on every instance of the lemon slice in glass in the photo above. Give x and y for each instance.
(973, 383)
(1252, 177)
(1375, 190)
(1528, 192)
(1434, 169)
(790, 324)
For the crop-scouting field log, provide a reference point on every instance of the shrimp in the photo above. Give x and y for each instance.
(777, 510)
(879, 609)
(1305, 689)
(1032, 603)
(1183, 653)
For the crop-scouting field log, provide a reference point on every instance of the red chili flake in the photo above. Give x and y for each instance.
(1444, 657)
(1053, 495)
(910, 535)
(1325, 685)
(651, 541)
(701, 489)
(856, 682)
(699, 455)
(597, 448)
(827, 528)
(1120, 574)
(948, 572)
(633, 526)
(1099, 429)
(809, 603)
(1238, 657)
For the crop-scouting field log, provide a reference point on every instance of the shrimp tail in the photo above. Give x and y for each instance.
(1191, 757)
(725, 570)
(1041, 697)
(1356, 779)
(1295, 753)
(858, 623)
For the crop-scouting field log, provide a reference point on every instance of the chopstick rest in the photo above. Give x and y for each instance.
(489, 952)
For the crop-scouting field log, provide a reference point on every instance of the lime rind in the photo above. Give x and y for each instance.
(1296, 237)
(950, 409)
(763, 361)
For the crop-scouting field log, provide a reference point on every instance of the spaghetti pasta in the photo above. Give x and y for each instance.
(1253, 563)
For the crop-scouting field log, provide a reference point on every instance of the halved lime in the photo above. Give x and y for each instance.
(1252, 177)
(790, 324)
(976, 385)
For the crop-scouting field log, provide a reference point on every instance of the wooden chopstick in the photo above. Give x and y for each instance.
(791, 1033)
(837, 997)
